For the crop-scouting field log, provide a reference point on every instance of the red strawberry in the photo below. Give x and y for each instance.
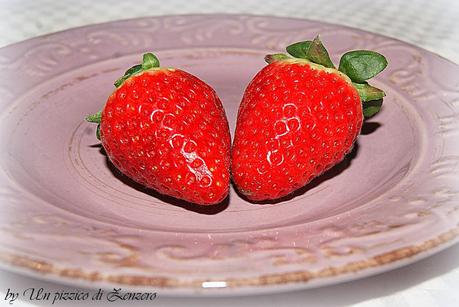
(300, 116)
(167, 130)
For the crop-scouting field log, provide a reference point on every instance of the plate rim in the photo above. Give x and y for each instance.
(42, 269)
(41, 36)
(288, 281)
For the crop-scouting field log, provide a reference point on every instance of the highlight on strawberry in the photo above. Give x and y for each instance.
(300, 116)
(167, 130)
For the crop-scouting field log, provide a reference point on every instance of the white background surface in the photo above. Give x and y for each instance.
(433, 25)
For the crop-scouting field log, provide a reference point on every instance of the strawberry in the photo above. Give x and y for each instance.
(167, 130)
(300, 116)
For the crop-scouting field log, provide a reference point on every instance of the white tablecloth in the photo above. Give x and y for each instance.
(433, 25)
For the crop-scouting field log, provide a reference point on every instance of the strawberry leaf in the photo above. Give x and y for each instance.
(298, 50)
(149, 61)
(131, 71)
(98, 132)
(313, 51)
(361, 65)
(368, 92)
(318, 54)
(94, 118)
(270, 58)
(371, 108)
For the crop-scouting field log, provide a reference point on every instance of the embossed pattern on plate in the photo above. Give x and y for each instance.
(68, 215)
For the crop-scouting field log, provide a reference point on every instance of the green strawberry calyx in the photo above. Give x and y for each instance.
(149, 61)
(95, 118)
(358, 65)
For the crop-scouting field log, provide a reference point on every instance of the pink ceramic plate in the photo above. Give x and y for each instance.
(68, 215)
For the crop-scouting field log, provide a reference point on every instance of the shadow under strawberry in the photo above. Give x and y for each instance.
(209, 210)
(369, 127)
